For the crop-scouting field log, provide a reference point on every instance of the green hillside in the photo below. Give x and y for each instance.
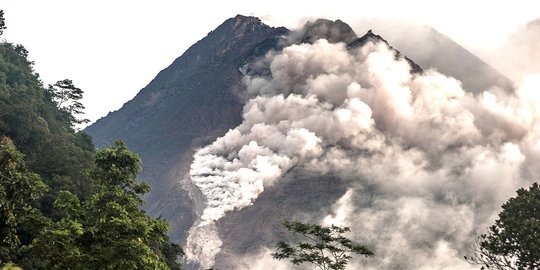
(64, 205)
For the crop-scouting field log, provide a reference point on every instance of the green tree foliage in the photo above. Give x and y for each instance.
(324, 247)
(57, 245)
(19, 189)
(67, 98)
(513, 242)
(107, 231)
(2, 23)
(90, 217)
(125, 237)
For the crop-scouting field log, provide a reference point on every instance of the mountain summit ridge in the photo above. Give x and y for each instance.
(333, 31)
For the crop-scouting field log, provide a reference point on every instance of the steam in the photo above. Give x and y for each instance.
(203, 244)
(427, 164)
(519, 54)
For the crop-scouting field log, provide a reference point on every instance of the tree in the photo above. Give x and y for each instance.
(2, 23)
(108, 230)
(513, 242)
(325, 247)
(66, 96)
(124, 236)
(58, 245)
(22, 51)
(19, 189)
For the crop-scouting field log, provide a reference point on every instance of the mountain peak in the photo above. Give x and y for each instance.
(241, 19)
(369, 36)
(333, 31)
(241, 23)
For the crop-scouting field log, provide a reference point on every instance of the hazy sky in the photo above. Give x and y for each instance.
(112, 49)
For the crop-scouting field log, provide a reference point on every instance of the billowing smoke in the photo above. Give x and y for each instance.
(427, 164)
(519, 54)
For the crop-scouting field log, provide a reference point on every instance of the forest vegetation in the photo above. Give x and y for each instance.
(64, 205)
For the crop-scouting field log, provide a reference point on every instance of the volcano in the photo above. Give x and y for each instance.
(201, 97)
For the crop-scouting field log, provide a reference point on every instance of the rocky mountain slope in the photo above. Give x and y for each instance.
(188, 104)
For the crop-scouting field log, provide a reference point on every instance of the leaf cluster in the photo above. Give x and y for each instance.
(67, 98)
(106, 231)
(513, 241)
(325, 247)
(19, 188)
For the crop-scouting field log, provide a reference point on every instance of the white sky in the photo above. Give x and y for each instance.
(112, 49)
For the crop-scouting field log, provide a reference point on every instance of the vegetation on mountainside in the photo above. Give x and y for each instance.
(63, 205)
(40, 130)
(19, 189)
(108, 230)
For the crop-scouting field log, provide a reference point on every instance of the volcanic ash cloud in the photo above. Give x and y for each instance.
(435, 160)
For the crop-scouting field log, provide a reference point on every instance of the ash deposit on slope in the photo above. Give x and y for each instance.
(427, 163)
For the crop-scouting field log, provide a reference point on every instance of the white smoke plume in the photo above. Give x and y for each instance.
(519, 54)
(428, 164)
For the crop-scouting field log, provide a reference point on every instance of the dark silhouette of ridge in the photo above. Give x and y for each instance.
(371, 37)
(333, 31)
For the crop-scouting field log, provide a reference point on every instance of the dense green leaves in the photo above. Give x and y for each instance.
(325, 247)
(117, 166)
(19, 189)
(513, 242)
(108, 230)
(122, 235)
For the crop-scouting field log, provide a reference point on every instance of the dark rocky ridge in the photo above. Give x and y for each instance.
(195, 100)
(369, 36)
(333, 31)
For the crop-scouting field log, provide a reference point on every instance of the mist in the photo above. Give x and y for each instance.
(426, 162)
(519, 55)
(430, 48)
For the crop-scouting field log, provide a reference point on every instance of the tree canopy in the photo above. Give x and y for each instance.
(67, 98)
(513, 241)
(107, 231)
(324, 247)
(19, 189)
